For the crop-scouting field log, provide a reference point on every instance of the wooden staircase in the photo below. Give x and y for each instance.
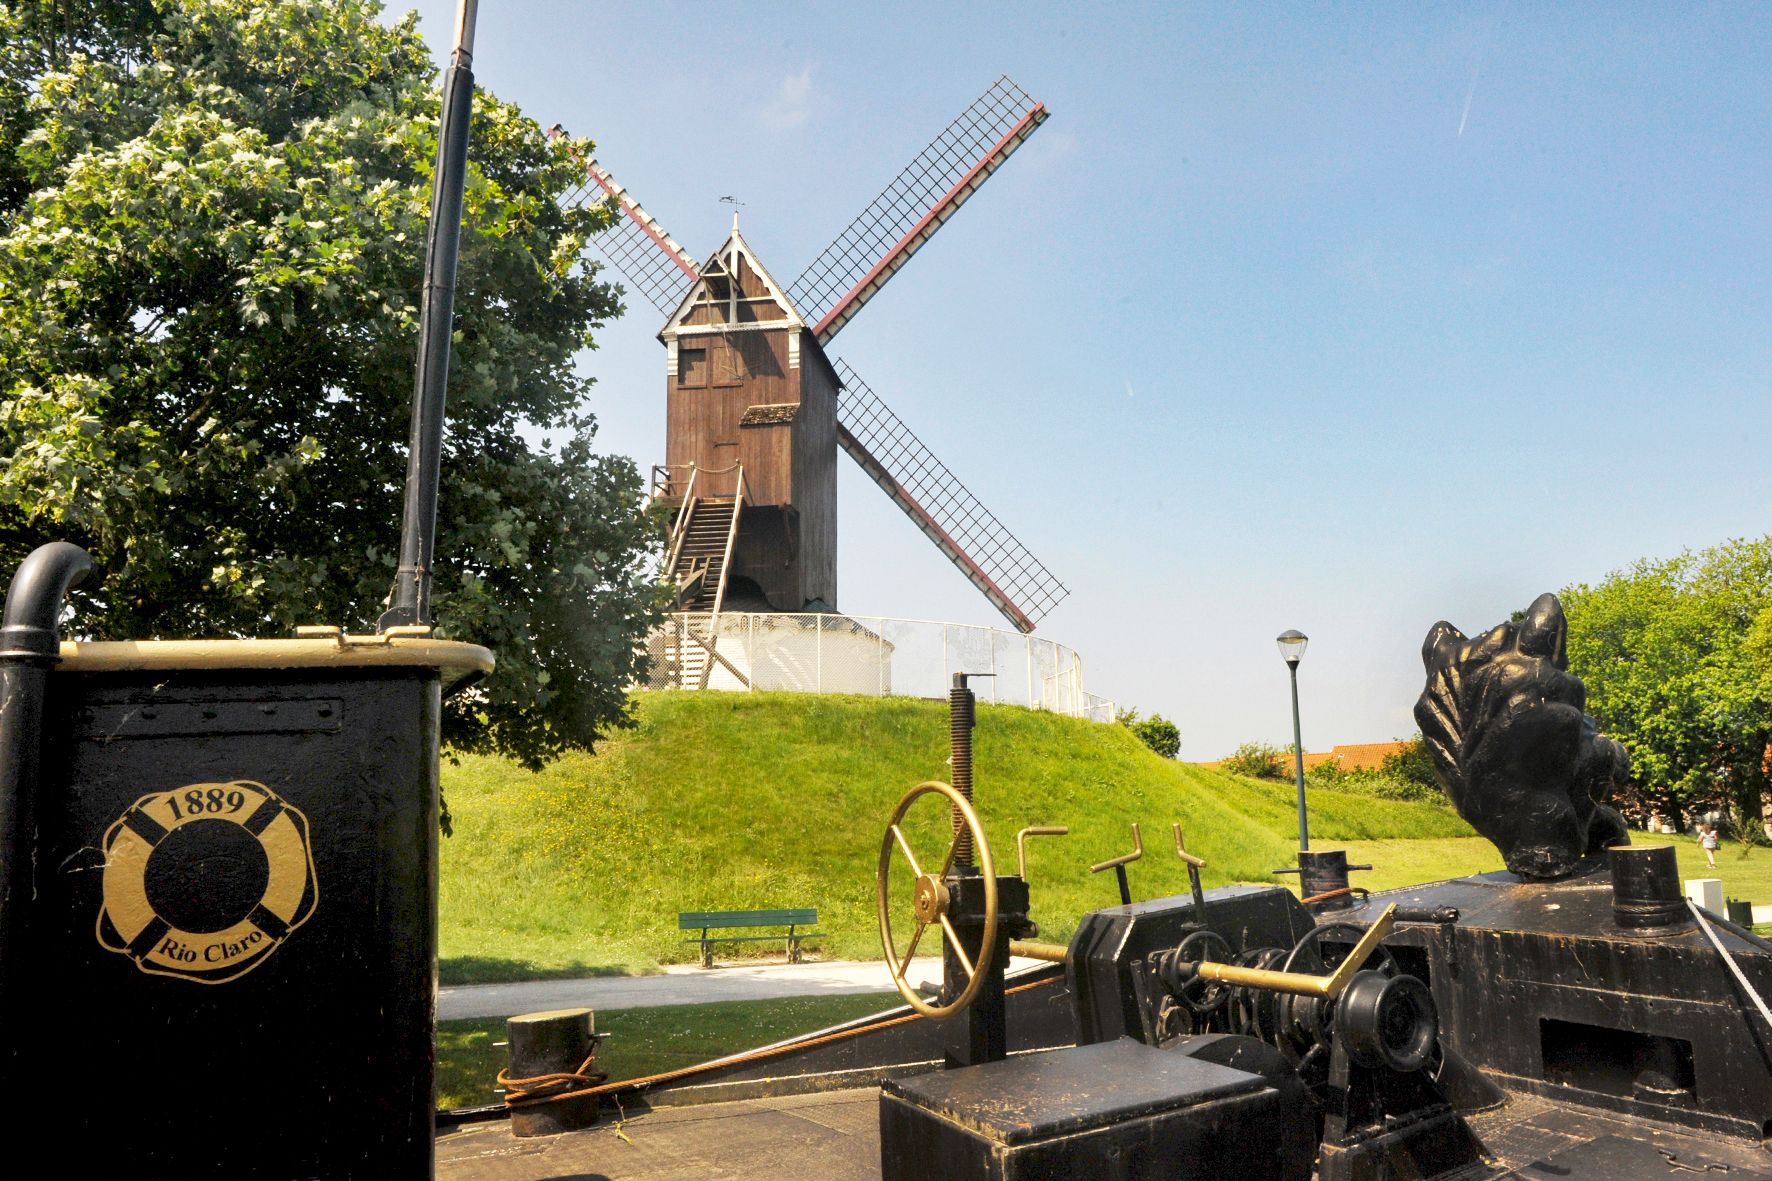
(701, 552)
(699, 566)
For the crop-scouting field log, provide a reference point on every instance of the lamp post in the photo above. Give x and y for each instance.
(1292, 642)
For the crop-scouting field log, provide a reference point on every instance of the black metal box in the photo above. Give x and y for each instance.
(234, 945)
(1114, 1111)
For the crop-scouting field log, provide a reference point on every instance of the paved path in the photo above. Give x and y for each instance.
(682, 985)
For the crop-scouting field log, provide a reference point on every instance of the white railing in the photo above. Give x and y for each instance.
(867, 654)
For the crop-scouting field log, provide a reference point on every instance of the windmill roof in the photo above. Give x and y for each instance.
(722, 262)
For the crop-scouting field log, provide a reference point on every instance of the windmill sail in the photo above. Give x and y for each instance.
(916, 204)
(636, 245)
(995, 561)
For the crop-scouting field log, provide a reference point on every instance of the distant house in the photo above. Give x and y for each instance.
(1350, 756)
(1361, 756)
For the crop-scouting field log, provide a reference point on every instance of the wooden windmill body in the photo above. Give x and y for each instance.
(756, 410)
(751, 395)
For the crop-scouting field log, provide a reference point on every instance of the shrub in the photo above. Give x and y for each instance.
(1156, 731)
(1258, 759)
(1412, 764)
(1330, 775)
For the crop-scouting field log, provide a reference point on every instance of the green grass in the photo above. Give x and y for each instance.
(1746, 870)
(733, 801)
(1408, 862)
(646, 1041)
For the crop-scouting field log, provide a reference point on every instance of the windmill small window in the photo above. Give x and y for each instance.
(692, 367)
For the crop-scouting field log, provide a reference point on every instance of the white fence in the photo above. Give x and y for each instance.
(871, 655)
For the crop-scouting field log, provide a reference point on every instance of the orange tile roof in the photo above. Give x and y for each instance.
(1353, 756)
(1364, 756)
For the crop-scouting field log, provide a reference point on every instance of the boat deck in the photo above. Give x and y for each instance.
(832, 1136)
(835, 1136)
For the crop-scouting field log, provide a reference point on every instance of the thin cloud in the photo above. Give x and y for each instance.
(792, 104)
(1469, 94)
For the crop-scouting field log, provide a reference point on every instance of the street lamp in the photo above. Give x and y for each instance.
(1292, 642)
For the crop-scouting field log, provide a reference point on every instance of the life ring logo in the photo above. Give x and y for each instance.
(206, 881)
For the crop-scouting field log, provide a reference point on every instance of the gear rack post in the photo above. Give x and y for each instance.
(984, 1035)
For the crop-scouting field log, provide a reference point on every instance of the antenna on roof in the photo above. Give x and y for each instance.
(410, 602)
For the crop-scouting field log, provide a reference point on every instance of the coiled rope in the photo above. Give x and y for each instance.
(548, 1088)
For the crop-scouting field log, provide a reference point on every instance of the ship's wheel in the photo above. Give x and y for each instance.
(931, 901)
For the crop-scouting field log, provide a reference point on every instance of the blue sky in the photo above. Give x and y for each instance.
(1346, 319)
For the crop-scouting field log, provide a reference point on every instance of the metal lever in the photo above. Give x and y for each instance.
(1194, 866)
(1329, 987)
(1021, 848)
(1119, 864)
(1297, 983)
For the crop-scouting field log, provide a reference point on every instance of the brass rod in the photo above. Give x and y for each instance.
(1295, 983)
(1052, 953)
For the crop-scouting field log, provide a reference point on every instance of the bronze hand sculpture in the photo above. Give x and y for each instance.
(1525, 766)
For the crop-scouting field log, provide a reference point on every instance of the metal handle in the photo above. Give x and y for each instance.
(1181, 849)
(1124, 859)
(1021, 849)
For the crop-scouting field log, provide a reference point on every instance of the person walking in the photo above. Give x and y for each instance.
(1707, 840)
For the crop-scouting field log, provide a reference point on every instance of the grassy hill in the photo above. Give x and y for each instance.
(733, 801)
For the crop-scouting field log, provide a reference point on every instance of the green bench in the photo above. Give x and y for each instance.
(707, 921)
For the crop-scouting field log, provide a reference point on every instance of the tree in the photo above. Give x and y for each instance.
(1672, 654)
(1156, 731)
(212, 216)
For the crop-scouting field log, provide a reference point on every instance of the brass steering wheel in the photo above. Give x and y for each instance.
(930, 902)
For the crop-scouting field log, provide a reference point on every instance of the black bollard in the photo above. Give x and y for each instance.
(1646, 887)
(1324, 871)
(550, 1056)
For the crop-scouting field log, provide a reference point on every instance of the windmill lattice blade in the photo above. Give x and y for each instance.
(943, 508)
(636, 245)
(907, 214)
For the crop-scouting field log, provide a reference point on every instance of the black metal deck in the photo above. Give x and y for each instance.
(823, 1137)
(836, 1137)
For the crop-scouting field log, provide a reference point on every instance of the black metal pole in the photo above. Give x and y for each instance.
(29, 645)
(1304, 831)
(410, 602)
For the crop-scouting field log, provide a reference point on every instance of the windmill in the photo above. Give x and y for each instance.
(756, 410)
